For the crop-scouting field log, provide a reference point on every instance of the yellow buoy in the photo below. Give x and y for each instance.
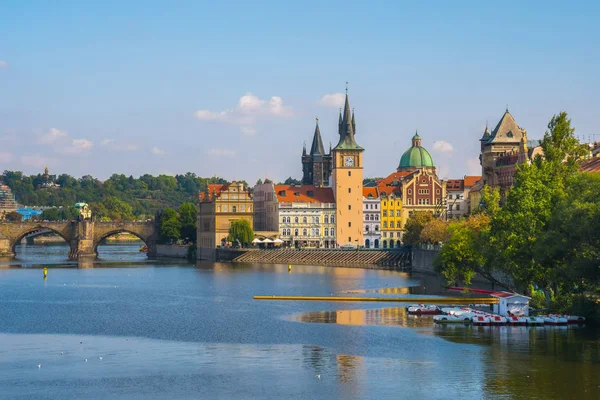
(289, 267)
(45, 272)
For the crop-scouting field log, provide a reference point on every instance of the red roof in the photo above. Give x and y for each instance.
(394, 176)
(592, 165)
(372, 191)
(304, 193)
(470, 180)
(455, 184)
(213, 189)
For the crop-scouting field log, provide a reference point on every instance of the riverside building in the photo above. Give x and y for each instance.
(372, 222)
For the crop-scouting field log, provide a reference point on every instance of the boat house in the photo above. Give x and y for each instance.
(516, 304)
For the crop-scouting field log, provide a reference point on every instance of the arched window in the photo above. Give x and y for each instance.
(376, 243)
(332, 219)
(304, 231)
(376, 228)
(296, 232)
(385, 244)
(296, 219)
(367, 228)
(376, 217)
(327, 219)
(398, 244)
(367, 243)
(398, 224)
(304, 220)
(233, 209)
(385, 224)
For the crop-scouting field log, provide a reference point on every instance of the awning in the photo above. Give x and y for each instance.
(267, 240)
(257, 240)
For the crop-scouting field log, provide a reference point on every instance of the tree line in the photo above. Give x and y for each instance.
(544, 235)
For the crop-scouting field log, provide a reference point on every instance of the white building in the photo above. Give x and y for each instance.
(457, 196)
(371, 212)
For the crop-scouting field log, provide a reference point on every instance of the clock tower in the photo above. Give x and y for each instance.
(347, 182)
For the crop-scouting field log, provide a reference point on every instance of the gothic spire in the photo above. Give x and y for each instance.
(346, 130)
(317, 143)
(353, 122)
(340, 122)
(304, 148)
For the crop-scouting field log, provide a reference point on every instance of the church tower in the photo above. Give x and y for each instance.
(347, 181)
(316, 166)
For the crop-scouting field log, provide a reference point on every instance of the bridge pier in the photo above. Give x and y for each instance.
(6, 248)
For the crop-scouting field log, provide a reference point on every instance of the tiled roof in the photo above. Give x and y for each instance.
(507, 130)
(470, 180)
(592, 165)
(370, 191)
(304, 194)
(455, 184)
(394, 176)
(213, 189)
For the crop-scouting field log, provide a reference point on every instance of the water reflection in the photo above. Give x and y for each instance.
(394, 316)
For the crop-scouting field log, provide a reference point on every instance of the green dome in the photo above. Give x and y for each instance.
(416, 156)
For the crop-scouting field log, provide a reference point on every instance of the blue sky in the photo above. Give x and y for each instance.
(231, 88)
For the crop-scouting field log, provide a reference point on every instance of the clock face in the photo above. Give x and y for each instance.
(349, 161)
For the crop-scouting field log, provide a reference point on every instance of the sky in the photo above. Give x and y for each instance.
(232, 88)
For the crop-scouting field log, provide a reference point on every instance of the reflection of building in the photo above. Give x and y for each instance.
(371, 212)
(347, 182)
(502, 150)
(303, 215)
(413, 187)
(219, 206)
(316, 166)
(457, 191)
(84, 210)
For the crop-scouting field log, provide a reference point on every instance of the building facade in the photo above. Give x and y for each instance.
(219, 206)
(391, 218)
(347, 182)
(371, 213)
(316, 165)
(457, 195)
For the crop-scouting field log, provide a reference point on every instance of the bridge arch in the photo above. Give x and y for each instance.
(143, 231)
(99, 239)
(62, 230)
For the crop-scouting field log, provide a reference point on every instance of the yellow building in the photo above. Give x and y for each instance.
(347, 182)
(391, 218)
(219, 206)
(84, 210)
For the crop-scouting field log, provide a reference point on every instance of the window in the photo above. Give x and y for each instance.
(458, 207)
(398, 204)
(384, 234)
(376, 206)
(233, 209)
(438, 192)
(296, 219)
(366, 228)
(332, 219)
(376, 228)
(385, 224)
(385, 213)
(349, 190)
(410, 202)
(409, 191)
(384, 203)
(304, 220)
(327, 219)
(376, 217)
(397, 213)
(349, 207)
(385, 244)
(316, 220)
(304, 232)
(349, 173)
(349, 224)
(296, 232)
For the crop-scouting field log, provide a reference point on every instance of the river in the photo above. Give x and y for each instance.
(130, 328)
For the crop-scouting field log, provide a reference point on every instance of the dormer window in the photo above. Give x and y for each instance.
(310, 193)
(281, 193)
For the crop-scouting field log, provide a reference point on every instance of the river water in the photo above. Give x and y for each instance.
(130, 328)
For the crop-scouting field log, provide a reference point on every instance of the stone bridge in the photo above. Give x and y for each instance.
(83, 237)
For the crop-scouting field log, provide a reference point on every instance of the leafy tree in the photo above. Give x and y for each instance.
(187, 218)
(13, 216)
(259, 181)
(415, 224)
(170, 226)
(241, 230)
(51, 214)
(291, 181)
(435, 231)
(117, 210)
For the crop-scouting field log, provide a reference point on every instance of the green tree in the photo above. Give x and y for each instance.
(187, 218)
(51, 214)
(434, 232)
(13, 216)
(240, 230)
(415, 224)
(117, 210)
(170, 226)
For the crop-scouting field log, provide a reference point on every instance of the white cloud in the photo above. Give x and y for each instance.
(158, 152)
(248, 130)
(473, 166)
(222, 152)
(117, 145)
(6, 157)
(82, 144)
(332, 100)
(3, 64)
(442, 147)
(52, 136)
(249, 111)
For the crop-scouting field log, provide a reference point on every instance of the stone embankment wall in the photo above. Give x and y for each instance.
(171, 251)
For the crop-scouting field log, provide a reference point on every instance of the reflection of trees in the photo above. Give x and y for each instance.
(541, 362)
(395, 316)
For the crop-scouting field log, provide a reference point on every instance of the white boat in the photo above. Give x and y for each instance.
(497, 319)
(554, 320)
(516, 320)
(451, 319)
(423, 309)
(571, 319)
(481, 319)
(534, 321)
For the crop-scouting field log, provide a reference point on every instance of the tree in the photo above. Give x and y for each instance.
(51, 214)
(240, 230)
(13, 216)
(117, 210)
(291, 181)
(414, 226)
(187, 218)
(170, 226)
(259, 181)
(434, 232)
